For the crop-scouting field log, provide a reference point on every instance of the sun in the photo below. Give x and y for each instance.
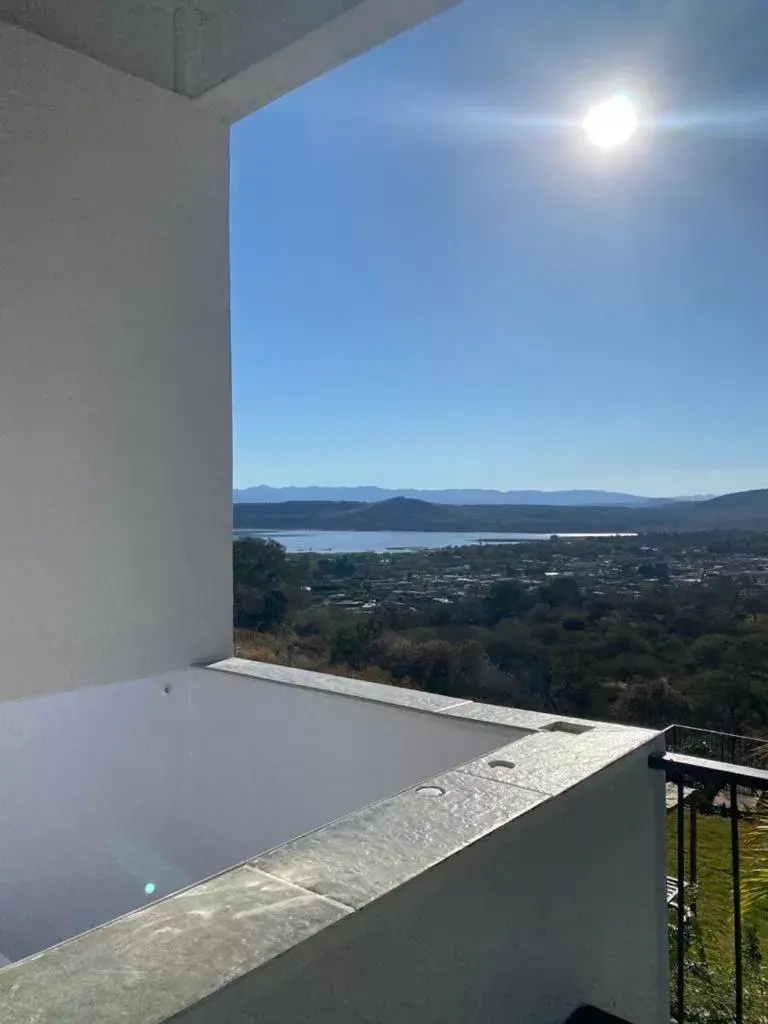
(611, 122)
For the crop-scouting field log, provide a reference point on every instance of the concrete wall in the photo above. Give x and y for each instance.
(109, 788)
(115, 434)
(562, 907)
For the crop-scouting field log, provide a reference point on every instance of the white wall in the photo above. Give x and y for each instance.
(115, 434)
(106, 789)
(562, 907)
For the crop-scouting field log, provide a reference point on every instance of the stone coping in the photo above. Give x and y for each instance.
(164, 958)
(401, 696)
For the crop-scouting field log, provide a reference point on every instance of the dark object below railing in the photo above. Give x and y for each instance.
(591, 1015)
(679, 768)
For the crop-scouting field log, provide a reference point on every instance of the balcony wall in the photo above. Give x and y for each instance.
(514, 886)
(166, 781)
(115, 427)
(563, 906)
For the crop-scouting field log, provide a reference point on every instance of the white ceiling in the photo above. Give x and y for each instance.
(189, 46)
(194, 47)
(134, 36)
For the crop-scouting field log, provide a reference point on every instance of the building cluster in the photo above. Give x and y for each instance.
(411, 579)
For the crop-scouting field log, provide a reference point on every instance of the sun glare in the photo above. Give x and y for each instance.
(611, 122)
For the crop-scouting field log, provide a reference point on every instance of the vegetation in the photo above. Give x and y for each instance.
(745, 510)
(714, 893)
(710, 984)
(709, 954)
(643, 649)
(756, 874)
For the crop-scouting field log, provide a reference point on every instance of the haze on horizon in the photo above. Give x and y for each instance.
(483, 496)
(446, 290)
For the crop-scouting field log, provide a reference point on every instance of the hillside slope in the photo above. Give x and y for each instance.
(746, 510)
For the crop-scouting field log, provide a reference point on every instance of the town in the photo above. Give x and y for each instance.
(621, 566)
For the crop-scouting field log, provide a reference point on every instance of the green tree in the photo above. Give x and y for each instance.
(725, 700)
(432, 666)
(512, 647)
(710, 652)
(356, 644)
(629, 666)
(261, 575)
(562, 592)
(470, 663)
(504, 600)
(574, 622)
(756, 878)
(652, 703)
(755, 604)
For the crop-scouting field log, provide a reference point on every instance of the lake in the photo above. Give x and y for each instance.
(354, 541)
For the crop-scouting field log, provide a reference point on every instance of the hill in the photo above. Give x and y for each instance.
(410, 514)
(459, 496)
(747, 510)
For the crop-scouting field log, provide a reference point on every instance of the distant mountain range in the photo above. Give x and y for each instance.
(746, 510)
(459, 496)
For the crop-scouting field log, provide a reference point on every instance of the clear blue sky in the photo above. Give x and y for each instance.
(435, 283)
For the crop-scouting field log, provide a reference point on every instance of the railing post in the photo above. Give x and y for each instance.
(693, 868)
(680, 903)
(737, 902)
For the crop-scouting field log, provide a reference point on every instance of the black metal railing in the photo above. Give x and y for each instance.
(685, 770)
(720, 746)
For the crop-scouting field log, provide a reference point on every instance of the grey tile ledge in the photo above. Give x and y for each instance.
(371, 851)
(361, 688)
(150, 965)
(400, 696)
(551, 763)
(520, 718)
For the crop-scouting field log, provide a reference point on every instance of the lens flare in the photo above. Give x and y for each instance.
(611, 122)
